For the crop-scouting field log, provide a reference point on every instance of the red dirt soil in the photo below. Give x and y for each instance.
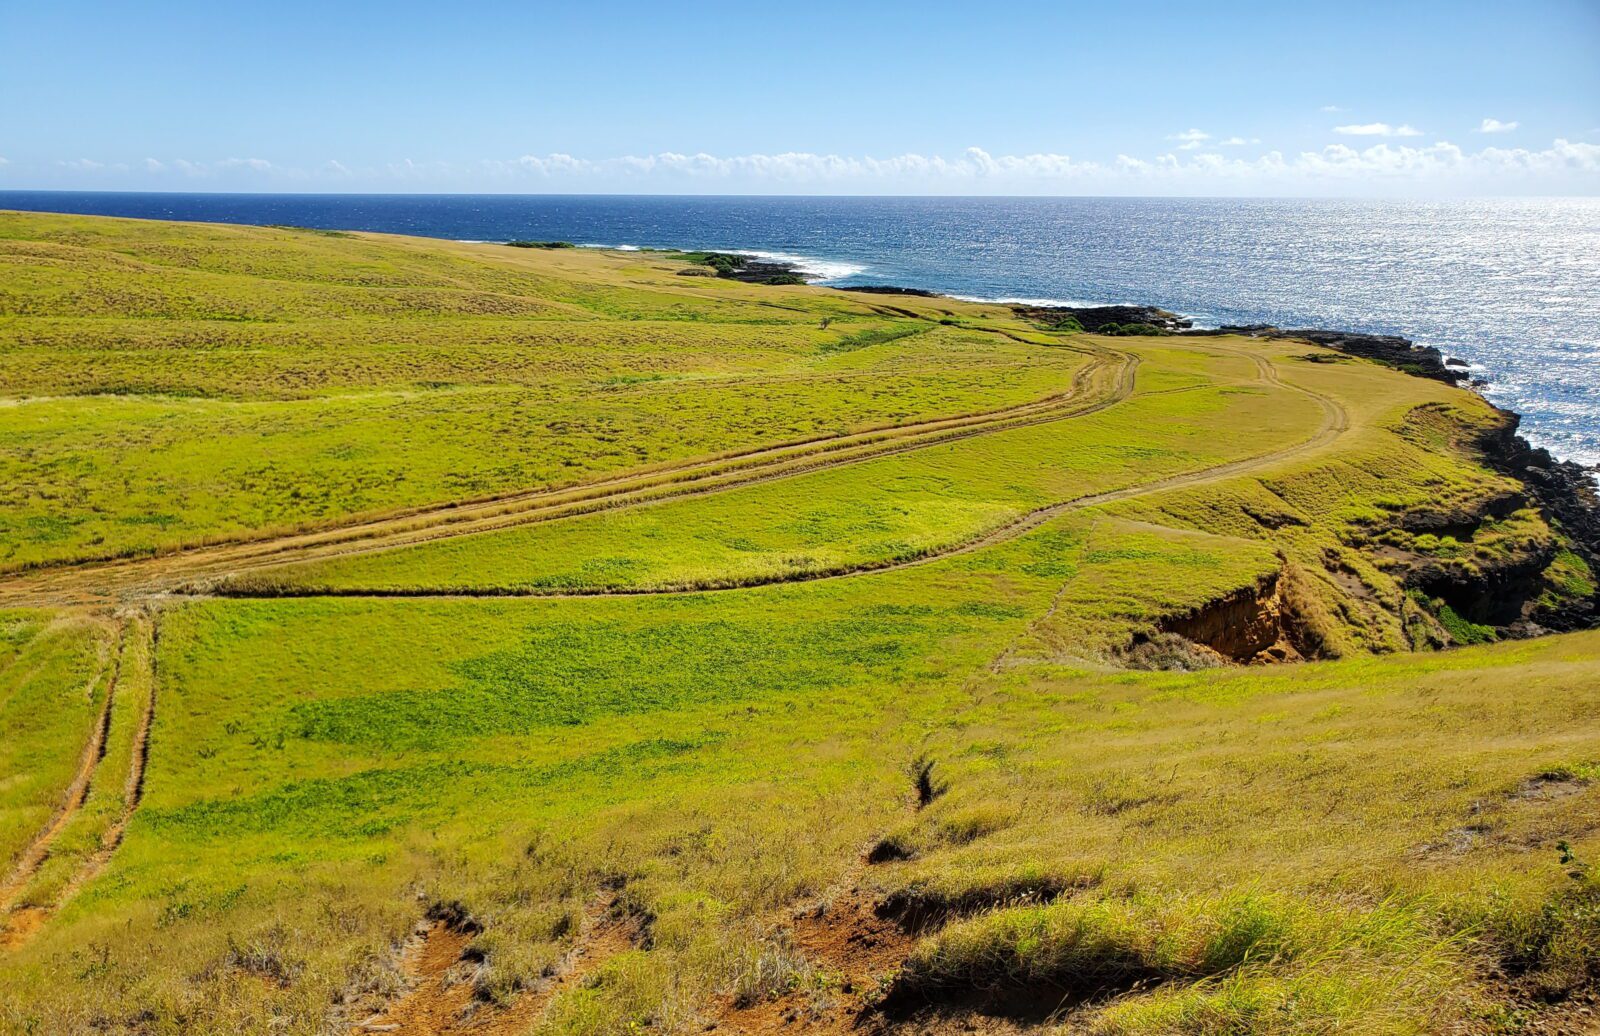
(441, 1000)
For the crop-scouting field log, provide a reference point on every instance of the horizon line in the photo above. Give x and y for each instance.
(1401, 196)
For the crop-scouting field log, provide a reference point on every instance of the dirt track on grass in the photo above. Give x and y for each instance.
(1335, 422)
(34, 854)
(441, 996)
(18, 924)
(1107, 379)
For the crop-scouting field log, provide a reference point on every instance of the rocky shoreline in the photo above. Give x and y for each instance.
(736, 266)
(1424, 361)
(1566, 492)
(1100, 319)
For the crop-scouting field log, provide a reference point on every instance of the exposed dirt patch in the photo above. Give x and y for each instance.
(857, 945)
(441, 991)
(1278, 619)
(855, 938)
(33, 856)
(441, 966)
(1546, 786)
(21, 925)
(1252, 624)
(855, 949)
(1577, 1015)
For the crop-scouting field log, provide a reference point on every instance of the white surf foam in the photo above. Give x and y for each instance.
(809, 266)
(1013, 300)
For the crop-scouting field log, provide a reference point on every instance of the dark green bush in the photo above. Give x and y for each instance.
(1130, 330)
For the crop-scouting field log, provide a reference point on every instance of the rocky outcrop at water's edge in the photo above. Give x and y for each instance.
(1402, 353)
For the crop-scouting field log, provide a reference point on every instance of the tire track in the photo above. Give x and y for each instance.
(19, 924)
(1107, 379)
(133, 786)
(34, 854)
(1335, 423)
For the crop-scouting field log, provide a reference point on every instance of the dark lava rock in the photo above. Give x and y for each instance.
(890, 289)
(756, 271)
(1422, 360)
(1565, 492)
(1096, 318)
(735, 267)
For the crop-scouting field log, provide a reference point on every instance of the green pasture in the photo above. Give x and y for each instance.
(1079, 819)
(869, 513)
(165, 386)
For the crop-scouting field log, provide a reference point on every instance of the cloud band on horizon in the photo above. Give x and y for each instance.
(1564, 164)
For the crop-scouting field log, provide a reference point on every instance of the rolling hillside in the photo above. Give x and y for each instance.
(424, 637)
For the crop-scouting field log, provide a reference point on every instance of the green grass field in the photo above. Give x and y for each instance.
(1132, 699)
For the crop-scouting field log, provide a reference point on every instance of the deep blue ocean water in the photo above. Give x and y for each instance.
(1513, 286)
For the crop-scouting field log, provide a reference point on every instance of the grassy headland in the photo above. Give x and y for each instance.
(532, 640)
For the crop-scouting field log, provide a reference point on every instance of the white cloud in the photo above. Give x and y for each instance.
(1191, 139)
(798, 167)
(1496, 126)
(1390, 167)
(1378, 129)
(1333, 109)
(182, 167)
(1336, 164)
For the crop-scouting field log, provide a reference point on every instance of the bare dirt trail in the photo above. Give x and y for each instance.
(33, 855)
(1335, 422)
(1107, 379)
(438, 966)
(133, 784)
(18, 924)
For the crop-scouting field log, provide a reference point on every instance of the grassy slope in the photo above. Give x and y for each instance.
(1355, 840)
(53, 674)
(314, 762)
(1364, 844)
(890, 509)
(172, 383)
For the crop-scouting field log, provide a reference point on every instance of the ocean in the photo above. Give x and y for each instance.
(1511, 286)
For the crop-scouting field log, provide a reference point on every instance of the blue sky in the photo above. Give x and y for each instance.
(858, 98)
